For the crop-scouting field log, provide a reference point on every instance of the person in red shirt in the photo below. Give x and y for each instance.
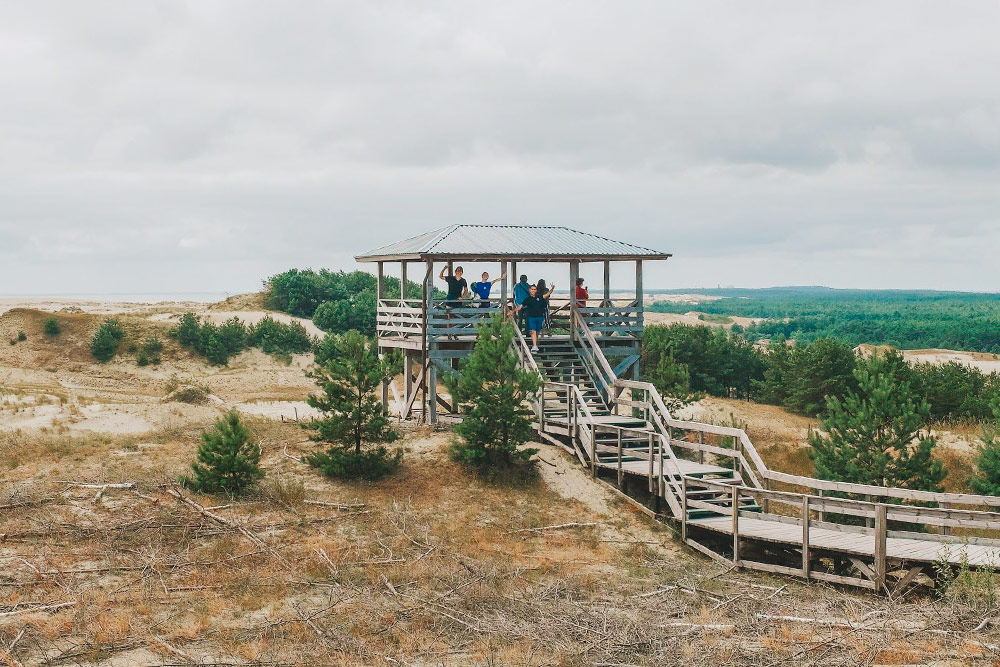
(581, 294)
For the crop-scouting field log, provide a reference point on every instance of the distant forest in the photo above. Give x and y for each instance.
(905, 319)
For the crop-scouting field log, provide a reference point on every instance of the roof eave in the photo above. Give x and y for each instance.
(423, 257)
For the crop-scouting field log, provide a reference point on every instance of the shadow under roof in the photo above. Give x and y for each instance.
(516, 242)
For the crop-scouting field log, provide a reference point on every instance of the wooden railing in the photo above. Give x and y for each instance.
(443, 321)
(399, 318)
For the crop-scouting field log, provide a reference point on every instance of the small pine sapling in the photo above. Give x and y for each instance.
(227, 462)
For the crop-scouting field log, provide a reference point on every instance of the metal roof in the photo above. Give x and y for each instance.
(518, 242)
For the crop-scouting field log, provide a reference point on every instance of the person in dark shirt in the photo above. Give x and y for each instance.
(542, 290)
(483, 287)
(534, 307)
(458, 288)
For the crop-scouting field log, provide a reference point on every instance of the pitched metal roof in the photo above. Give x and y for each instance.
(519, 242)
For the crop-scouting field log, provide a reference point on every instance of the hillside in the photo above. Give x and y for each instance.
(431, 566)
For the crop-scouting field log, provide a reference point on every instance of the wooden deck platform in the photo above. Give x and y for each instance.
(841, 541)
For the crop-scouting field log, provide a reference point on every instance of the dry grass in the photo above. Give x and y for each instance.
(430, 567)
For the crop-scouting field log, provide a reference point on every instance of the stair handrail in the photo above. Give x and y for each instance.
(606, 374)
(527, 361)
(581, 406)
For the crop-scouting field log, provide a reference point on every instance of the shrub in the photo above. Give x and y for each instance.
(21, 336)
(352, 415)
(369, 465)
(986, 481)
(51, 326)
(104, 344)
(191, 394)
(152, 349)
(325, 349)
(188, 331)
(275, 337)
(227, 462)
(492, 393)
(284, 491)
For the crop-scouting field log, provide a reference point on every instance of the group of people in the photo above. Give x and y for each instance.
(531, 301)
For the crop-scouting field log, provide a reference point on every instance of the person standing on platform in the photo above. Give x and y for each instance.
(534, 307)
(581, 294)
(521, 291)
(483, 287)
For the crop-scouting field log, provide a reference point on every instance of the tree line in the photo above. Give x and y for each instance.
(902, 318)
(685, 361)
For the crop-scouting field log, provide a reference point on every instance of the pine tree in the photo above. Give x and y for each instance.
(352, 415)
(877, 434)
(987, 480)
(227, 462)
(492, 393)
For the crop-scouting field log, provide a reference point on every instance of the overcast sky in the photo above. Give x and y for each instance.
(172, 146)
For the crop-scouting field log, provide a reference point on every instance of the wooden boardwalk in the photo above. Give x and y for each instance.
(816, 529)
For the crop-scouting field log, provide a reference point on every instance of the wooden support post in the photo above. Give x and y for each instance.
(766, 505)
(402, 281)
(427, 304)
(805, 536)
(684, 508)
(574, 271)
(869, 521)
(607, 284)
(503, 288)
(880, 539)
(407, 373)
(379, 294)
(593, 452)
(819, 514)
(514, 279)
(652, 455)
(660, 484)
(736, 524)
(621, 474)
(639, 309)
(701, 452)
(432, 393)
(945, 530)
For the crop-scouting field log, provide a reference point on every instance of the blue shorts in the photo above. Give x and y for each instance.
(536, 324)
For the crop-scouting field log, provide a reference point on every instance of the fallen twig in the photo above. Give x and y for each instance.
(46, 607)
(558, 526)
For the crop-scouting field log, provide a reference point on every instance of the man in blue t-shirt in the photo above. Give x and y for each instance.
(483, 287)
(521, 291)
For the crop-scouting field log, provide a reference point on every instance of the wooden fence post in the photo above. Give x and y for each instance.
(621, 475)
(880, 539)
(805, 536)
(736, 524)
(652, 455)
(945, 530)
(684, 508)
(701, 452)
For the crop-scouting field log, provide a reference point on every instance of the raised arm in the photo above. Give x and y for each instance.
(496, 280)
(551, 290)
(443, 269)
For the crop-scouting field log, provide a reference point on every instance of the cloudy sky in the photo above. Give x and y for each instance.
(172, 146)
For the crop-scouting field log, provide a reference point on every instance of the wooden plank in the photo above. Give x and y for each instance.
(708, 552)
(805, 536)
(735, 499)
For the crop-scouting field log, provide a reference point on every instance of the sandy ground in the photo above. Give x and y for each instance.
(52, 384)
(692, 318)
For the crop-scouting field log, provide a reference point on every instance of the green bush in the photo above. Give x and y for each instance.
(325, 349)
(275, 337)
(104, 344)
(21, 336)
(227, 462)
(150, 352)
(368, 465)
(51, 326)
